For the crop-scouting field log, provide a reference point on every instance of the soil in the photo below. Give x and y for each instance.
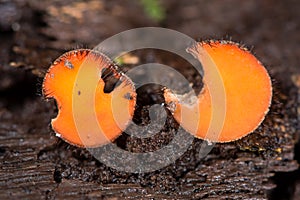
(36, 164)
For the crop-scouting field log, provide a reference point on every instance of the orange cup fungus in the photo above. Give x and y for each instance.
(247, 93)
(87, 112)
(86, 115)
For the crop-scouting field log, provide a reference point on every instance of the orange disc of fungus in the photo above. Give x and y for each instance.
(87, 114)
(247, 93)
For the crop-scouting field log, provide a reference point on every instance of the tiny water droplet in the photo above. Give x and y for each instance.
(209, 143)
(68, 64)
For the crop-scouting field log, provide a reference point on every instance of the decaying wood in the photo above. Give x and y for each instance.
(34, 164)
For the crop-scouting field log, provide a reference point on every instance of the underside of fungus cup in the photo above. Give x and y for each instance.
(244, 97)
(86, 116)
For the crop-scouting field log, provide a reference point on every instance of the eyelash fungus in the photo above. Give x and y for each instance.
(60, 84)
(248, 92)
(247, 87)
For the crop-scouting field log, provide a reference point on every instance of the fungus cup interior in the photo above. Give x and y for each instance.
(247, 88)
(88, 116)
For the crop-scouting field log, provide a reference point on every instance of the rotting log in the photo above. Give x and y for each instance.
(35, 164)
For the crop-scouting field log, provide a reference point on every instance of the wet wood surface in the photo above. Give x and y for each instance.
(35, 164)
